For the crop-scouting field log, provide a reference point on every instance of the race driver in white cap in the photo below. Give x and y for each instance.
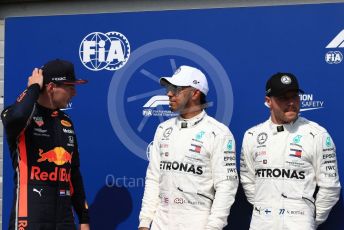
(191, 179)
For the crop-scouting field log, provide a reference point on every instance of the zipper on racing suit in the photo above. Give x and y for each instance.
(302, 198)
(199, 194)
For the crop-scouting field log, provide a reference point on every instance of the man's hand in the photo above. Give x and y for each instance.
(36, 78)
(84, 227)
(143, 228)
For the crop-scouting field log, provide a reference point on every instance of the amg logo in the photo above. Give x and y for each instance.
(185, 167)
(284, 173)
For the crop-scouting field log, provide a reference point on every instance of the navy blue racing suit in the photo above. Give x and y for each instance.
(45, 159)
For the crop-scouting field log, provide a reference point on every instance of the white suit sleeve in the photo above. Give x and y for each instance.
(326, 176)
(247, 174)
(150, 199)
(225, 180)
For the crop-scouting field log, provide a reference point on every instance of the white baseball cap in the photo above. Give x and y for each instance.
(187, 76)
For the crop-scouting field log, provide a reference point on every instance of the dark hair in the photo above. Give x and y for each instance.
(203, 100)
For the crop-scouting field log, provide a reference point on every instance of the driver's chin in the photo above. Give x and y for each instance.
(290, 116)
(175, 107)
(172, 107)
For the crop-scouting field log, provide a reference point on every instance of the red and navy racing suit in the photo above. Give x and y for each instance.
(45, 158)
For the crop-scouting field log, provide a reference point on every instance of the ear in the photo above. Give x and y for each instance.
(196, 94)
(49, 87)
(268, 101)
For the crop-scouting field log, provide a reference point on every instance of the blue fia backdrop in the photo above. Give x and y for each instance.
(116, 113)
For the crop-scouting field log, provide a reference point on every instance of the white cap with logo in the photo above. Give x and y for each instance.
(187, 76)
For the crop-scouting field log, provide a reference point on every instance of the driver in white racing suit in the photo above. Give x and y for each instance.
(191, 179)
(284, 159)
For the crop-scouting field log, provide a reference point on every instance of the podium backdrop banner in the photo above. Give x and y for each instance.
(123, 55)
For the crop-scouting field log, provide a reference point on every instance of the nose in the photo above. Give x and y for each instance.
(170, 93)
(290, 101)
(293, 101)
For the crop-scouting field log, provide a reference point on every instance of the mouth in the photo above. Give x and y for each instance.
(291, 109)
(172, 105)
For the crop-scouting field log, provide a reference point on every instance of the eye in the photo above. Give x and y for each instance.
(172, 89)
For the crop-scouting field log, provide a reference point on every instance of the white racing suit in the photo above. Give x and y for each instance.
(280, 167)
(191, 179)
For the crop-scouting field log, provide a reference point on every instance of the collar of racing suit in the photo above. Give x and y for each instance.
(47, 111)
(277, 128)
(182, 123)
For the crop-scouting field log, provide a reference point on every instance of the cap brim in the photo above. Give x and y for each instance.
(285, 91)
(76, 82)
(164, 81)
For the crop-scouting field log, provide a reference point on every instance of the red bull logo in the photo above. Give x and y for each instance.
(59, 174)
(58, 155)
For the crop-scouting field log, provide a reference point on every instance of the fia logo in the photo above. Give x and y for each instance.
(108, 51)
(335, 57)
(147, 112)
(154, 106)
